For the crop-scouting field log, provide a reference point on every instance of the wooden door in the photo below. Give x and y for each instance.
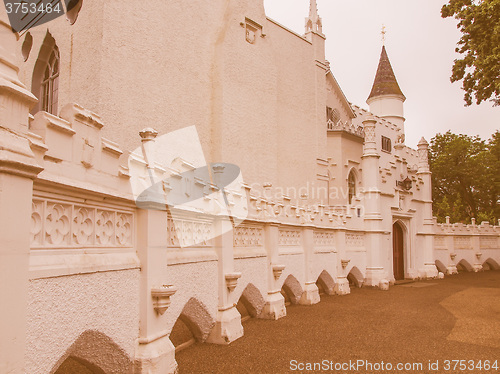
(398, 251)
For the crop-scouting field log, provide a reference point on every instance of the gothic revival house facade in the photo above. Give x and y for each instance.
(184, 166)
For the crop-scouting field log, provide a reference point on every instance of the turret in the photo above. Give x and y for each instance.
(386, 98)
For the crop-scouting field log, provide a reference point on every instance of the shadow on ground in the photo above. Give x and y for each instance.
(456, 318)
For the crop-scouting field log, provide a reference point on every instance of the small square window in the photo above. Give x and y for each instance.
(386, 144)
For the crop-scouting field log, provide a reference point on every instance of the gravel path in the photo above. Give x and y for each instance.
(457, 318)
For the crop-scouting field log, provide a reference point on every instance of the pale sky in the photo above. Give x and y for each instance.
(421, 48)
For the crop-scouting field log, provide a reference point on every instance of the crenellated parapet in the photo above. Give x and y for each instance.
(384, 123)
(346, 127)
(485, 228)
(296, 213)
(471, 246)
(72, 151)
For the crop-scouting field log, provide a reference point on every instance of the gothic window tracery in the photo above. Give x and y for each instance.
(50, 84)
(351, 185)
(45, 79)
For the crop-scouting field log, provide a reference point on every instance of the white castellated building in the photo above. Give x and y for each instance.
(114, 112)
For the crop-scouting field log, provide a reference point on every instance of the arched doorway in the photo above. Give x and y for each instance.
(398, 251)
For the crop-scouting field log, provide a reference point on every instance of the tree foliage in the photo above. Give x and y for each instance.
(465, 177)
(479, 67)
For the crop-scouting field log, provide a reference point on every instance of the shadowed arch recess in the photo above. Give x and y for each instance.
(441, 267)
(250, 303)
(291, 290)
(94, 353)
(464, 265)
(325, 283)
(194, 324)
(355, 277)
(491, 264)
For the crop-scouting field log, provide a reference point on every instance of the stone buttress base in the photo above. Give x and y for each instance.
(429, 271)
(310, 294)
(342, 286)
(156, 357)
(227, 327)
(274, 307)
(374, 275)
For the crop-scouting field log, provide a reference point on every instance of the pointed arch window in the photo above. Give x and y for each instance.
(351, 185)
(50, 84)
(45, 81)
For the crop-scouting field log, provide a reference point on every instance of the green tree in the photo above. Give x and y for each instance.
(479, 67)
(465, 177)
(492, 178)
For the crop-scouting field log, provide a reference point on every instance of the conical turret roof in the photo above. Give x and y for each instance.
(385, 80)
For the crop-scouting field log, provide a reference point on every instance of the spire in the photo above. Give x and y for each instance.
(313, 10)
(313, 22)
(385, 80)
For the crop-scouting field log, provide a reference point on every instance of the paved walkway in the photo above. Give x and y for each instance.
(457, 318)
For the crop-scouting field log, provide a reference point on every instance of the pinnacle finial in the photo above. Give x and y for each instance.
(313, 22)
(383, 32)
(423, 142)
(313, 9)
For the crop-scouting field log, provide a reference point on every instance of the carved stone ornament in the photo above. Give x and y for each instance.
(148, 134)
(355, 240)
(344, 263)
(277, 270)
(245, 236)
(452, 256)
(478, 255)
(232, 280)
(62, 224)
(369, 133)
(252, 30)
(423, 155)
(161, 297)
